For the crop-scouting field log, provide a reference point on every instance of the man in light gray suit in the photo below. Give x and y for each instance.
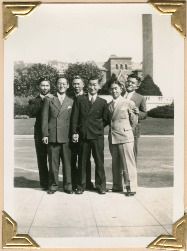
(132, 85)
(56, 115)
(122, 119)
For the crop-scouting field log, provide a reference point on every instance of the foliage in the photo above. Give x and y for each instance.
(84, 70)
(26, 79)
(105, 89)
(21, 106)
(149, 88)
(166, 111)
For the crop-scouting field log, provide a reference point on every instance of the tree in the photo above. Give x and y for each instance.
(84, 70)
(149, 88)
(105, 89)
(26, 79)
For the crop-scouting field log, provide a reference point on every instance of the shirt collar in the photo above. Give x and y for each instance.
(128, 95)
(117, 99)
(61, 95)
(92, 96)
(78, 94)
(42, 96)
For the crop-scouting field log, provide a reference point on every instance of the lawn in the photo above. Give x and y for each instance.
(150, 126)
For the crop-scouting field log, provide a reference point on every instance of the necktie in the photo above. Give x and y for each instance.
(61, 98)
(113, 105)
(92, 100)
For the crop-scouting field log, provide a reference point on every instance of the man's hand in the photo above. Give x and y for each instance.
(45, 140)
(75, 138)
(136, 110)
(49, 95)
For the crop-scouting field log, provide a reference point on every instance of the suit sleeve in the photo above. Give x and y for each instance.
(133, 118)
(142, 110)
(75, 116)
(45, 117)
(105, 114)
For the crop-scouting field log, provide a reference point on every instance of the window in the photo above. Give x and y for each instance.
(126, 66)
(121, 66)
(117, 66)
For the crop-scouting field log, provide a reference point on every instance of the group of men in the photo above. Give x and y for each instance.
(72, 129)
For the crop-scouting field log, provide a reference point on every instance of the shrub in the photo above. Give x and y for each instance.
(166, 111)
(21, 106)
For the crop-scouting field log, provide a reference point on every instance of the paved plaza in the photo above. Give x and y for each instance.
(147, 214)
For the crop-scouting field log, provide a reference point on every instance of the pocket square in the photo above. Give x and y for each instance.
(69, 107)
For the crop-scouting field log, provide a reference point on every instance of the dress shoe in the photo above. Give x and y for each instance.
(44, 188)
(79, 191)
(68, 191)
(101, 191)
(51, 191)
(117, 190)
(128, 194)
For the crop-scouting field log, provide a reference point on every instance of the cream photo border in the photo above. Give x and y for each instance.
(9, 13)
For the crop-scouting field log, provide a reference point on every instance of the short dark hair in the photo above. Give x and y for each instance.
(94, 77)
(77, 77)
(114, 81)
(132, 75)
(43, 79)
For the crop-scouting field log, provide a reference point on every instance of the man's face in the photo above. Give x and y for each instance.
(93, 86)
(131, 84)
(115, 90)
(62, 85)
(77, 85)
(44, 87)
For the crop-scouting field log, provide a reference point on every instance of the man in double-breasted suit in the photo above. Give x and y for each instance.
(56, 132)
(121, 140)
(140, 102)
(89, 117)
(35, 109)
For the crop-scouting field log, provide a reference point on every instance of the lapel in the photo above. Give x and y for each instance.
(87, 104)
(64, 104)
(116, 109)
(56, 102)
(110, 107)
(92, 106)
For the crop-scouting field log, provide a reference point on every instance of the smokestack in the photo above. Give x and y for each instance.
(147, 45)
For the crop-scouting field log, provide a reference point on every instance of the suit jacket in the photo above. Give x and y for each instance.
(140, 102)
(56, 119)
(35, 110)
(88, 120)
(122, 120)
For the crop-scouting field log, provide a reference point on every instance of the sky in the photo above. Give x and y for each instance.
(82, 32)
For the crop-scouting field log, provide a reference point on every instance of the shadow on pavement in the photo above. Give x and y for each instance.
(24, 182)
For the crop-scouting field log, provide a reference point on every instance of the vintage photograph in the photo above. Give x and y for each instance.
(94, 124)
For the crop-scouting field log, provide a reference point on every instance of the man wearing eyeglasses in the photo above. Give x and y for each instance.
(132, 84)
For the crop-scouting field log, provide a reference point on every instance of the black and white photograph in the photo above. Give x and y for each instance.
(94, 125)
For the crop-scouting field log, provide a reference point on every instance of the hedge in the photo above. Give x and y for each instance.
(166, 111)
(21, 106)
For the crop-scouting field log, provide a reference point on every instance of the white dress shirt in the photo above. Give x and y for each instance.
(61, 97)
(92, 97)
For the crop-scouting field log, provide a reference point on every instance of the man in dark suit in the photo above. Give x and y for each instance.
(89, 117)
(132, 84)
(35, 106)
(78, 86)
(56, 115)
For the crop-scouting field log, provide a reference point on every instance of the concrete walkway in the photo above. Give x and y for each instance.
(92, 215)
